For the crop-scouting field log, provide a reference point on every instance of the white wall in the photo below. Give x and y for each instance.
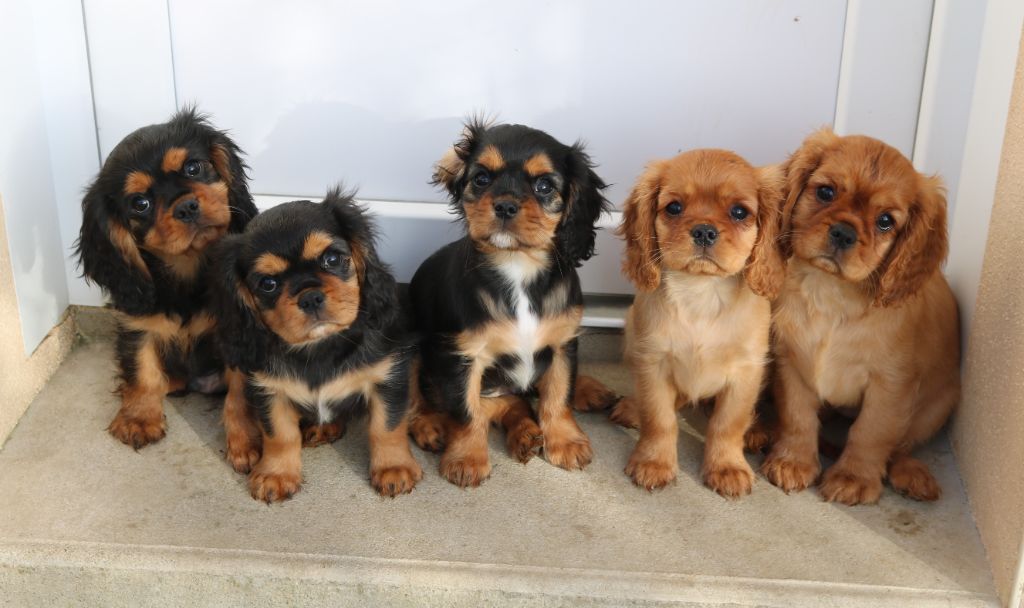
(47, 150)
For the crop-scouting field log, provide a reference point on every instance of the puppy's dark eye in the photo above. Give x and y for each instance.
(331, 260)
(482, 179)
(826, 194)
(543, 186)
(673, 208)
(738, 212)
(885, 222)
(193, 168)
(140, 204)
(268, 285)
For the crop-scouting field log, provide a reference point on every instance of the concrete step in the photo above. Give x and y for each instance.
(86, 521)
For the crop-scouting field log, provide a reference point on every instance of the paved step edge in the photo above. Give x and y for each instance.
(86, 572)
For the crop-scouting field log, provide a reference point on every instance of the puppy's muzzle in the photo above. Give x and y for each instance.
(187, 211)
(506, 209)
(704, 235)
(842, 236)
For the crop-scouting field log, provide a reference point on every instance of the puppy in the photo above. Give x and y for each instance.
(865, 319)
(701, 249)
(311, 316)
(164, 195)
(499, 309)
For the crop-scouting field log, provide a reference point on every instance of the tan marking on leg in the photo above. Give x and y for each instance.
(278, 474)
(523, 436)
(565, 444)
(314, 435)
(592, 395)
(140, 420)
(173, 160)
(465, 460)
(244, 439)
(393, 470)
(654, 462)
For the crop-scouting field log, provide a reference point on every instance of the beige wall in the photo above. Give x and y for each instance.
(22, 376)
(989, 430)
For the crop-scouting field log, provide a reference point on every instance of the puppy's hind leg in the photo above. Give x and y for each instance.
(592, 395)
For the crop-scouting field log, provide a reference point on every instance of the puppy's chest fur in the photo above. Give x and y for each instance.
(823, 323)
(529, 316)
(703, 332)
(322, 402)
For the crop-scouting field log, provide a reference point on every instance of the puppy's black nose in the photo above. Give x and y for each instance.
(187, 211)
(506, 210)
(311, 301)
(704, 235)
(842, 235)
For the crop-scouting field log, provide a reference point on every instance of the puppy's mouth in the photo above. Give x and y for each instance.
(203, 235)
(319, 329)
(504, 239)
(704, 263)
(829, 262)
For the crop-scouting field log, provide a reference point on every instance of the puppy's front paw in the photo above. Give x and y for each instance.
(525, 441)
(319, 434)
(274, 486)
(849, 487)
(570, 453)
(730, 480)
(427, 432)
(466, 471)
(137, 432)
(912, 478)
(790, 474)
(625, 413)
(242, 452)
(650, 473)
(398, 479)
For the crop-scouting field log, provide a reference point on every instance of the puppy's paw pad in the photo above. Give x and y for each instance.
(651, 474)
(525, 442)
(271, 487)
(427, 433)
(570, 454)
(789, 474)
(625, 413)
(731, 481)
(137, 432)
(320, 434)
(913, 479)
(394, 480)
(850, 488)
(466, 472)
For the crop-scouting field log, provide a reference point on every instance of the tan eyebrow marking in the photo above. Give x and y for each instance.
(315, 244)
(491, 158)
(268, 263)
(173, 160)
(137, 181)
(538, 164)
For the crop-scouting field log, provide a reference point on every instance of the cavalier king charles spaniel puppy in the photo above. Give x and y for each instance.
(164, 195)
(499, 310)
(865, 320)
(311, 317)
(701, 249)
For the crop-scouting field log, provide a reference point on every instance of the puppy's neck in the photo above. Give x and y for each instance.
(701, 295)
(828, 292)
(519, 267)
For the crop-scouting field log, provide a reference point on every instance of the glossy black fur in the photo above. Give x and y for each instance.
(444, 291)
(378, 331)
(163, 292)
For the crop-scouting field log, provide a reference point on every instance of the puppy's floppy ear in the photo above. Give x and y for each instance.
(798, 169)
(920, 248)
(576, 232)
(243, 339)
(642, 265)
(450, 171)
(378, 299)
(227, 160)
(765, 270)
(109, 256)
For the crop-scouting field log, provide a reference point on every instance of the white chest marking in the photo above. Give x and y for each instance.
(519, 272)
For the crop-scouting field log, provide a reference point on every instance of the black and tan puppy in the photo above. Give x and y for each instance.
(311, 316)
(499, 310)
(164, 195)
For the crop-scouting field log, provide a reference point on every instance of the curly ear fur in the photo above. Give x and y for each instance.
(109, 257)
(798, 169)
(641, 264)
(919, 250)
(243, 339)
(765, 270)
(577, 232)
(450, 171)
(377, 288)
